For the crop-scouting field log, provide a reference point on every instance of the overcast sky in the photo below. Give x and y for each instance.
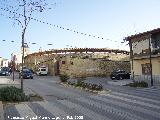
(111, 20)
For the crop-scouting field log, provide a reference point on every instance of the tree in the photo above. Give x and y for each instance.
(21, 11)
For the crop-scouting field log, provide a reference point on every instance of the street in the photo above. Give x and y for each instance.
(63, 103)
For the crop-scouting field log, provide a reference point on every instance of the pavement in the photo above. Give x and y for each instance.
(115, 106)
(62, 103)
(107, 81)
(1, 111)
(8, 81)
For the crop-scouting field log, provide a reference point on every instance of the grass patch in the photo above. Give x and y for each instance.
(12, 94)
(138, 84)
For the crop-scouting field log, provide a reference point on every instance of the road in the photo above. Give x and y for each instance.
(63, 103)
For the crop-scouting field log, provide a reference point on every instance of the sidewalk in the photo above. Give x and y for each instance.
(107, 81)
(7, 81)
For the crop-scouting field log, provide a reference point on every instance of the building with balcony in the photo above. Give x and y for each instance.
(145, 56)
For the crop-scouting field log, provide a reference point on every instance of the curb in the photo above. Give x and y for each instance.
(1, 111)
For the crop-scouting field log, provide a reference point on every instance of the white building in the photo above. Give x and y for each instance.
(4, 62)
(17, 57)
(1, 59)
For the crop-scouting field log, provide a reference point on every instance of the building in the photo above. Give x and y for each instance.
(4, 62)
(145, 56)
(1, 61)
(17, 57)
(80, 62)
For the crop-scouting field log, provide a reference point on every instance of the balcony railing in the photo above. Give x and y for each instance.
(146, 53)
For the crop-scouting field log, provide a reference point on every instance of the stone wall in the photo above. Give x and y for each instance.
(79, 64)
(78, 67)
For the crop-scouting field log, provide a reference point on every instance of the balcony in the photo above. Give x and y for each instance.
(146, 54)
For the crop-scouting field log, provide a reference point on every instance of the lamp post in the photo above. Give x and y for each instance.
(13, 64)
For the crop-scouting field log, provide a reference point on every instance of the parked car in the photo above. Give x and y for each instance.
(5, 71)
(26, 74)
(43, 70)
(120, 74)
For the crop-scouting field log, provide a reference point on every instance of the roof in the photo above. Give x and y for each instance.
(142, 34)
(81, 50)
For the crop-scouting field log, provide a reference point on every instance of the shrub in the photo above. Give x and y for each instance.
(71, 83)
(64, 78)
(89, 86)
(94, 87)
(12, 94)
(79, 83)
(138, 84)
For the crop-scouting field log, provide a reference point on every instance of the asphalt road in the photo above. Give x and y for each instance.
(64, 103)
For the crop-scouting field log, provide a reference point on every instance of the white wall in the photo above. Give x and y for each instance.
(5, 63)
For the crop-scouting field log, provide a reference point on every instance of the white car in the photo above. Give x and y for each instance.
(42, 71)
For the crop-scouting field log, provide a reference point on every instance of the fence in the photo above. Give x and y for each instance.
(147, 78)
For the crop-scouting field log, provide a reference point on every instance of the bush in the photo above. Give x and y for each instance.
(89, 86)
(138, 84)
(94, 86)
(79, 83)
(12, 94)
(64, 78)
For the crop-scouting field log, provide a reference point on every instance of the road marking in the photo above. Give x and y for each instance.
(141, 98)
(134, 101)
(25, 111)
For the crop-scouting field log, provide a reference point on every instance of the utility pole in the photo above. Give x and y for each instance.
(150, 60)
(13, 68)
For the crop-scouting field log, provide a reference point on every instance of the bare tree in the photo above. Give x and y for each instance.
(21, 11)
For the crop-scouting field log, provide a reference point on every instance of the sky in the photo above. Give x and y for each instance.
(111, 20)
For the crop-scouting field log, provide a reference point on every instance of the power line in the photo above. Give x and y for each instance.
(54, 25)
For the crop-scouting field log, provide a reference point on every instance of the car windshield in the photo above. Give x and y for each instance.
(26, 71)
(43, 69)
(5, 69)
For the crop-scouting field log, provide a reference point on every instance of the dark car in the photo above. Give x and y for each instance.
(5, 71)
(119, 75)
(26, 74)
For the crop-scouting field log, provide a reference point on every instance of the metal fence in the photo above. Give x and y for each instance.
(147, 78)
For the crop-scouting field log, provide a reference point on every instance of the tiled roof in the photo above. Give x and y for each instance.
(143, 34)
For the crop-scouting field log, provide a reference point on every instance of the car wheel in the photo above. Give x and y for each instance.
(112, 78)
(120, 77)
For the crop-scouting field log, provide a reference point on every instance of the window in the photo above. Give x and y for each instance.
(63, 62)
(146, 70)
(43, 69)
